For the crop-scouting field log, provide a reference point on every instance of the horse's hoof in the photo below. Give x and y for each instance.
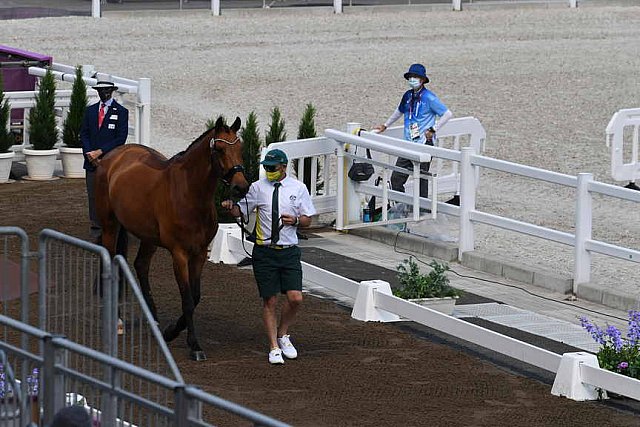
(198, 356)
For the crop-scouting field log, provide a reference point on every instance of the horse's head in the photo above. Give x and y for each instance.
(227, 148)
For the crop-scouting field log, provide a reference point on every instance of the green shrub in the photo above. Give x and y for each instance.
(251, 148)
(43, 133)
(6, 138)
(307, 129)
(73, 122)
(414, 284)
(276, 131)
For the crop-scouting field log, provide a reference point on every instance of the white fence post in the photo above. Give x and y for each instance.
(144, 111)
(215, 7)
(457, 5)
(573, 3)
(467, 202)
(340, 208)
(582, 262)
(337, 6)
(95, 8)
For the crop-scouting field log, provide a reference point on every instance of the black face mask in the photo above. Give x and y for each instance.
(105, 94)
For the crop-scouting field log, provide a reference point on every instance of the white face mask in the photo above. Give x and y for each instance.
(414, 82)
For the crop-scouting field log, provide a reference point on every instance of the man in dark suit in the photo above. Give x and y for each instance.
(105, 127)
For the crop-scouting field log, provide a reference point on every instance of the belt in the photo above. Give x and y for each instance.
(277, 246)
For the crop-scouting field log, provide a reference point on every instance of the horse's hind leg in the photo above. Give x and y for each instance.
(141, 264)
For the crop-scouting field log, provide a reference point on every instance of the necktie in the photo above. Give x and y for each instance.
(101, 115)
(275, 215)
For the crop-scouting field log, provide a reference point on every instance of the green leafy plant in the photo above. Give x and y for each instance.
(251, 148)
(276, 131)
(73, 122)
(6, 138)
(307, 129)
(414, 284)
(618, 354)
(42, 120)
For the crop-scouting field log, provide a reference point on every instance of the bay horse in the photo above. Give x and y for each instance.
(170, 203)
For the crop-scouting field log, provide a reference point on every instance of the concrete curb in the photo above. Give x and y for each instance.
(401, 240)
(482, 262)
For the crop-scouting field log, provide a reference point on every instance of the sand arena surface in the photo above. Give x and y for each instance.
(543, 82)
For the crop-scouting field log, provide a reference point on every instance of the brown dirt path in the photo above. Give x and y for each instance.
(349, 373)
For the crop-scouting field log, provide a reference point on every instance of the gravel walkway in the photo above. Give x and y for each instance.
(543, 81)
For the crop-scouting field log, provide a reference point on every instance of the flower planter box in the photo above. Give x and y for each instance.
(72, 162)
(6, 160)
(40, 163)
(444, 305)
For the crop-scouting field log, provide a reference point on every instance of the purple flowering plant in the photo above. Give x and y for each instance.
(617, 353)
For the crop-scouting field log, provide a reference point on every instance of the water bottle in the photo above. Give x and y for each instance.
(366, 215)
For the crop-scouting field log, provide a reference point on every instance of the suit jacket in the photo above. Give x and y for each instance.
(112, 133)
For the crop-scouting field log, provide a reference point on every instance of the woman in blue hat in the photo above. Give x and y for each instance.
(420, 108)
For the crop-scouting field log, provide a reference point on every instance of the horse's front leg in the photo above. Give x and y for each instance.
(195, 273)
(181, 272)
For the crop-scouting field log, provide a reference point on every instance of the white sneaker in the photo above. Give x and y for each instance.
(275, 357)
(287, 348)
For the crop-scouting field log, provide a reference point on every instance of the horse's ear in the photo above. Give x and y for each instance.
(236, 124)
(219, 123)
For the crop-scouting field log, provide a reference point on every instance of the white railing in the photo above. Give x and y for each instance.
(346, 202)
(582, 240)
(344, 196)
(135, 95)
(628, 119)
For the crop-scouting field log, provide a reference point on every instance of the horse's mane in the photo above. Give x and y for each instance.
(198, 139)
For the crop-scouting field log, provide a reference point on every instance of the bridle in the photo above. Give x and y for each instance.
(235, 169)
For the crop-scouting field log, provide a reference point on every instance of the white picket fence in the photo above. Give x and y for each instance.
(133, 94)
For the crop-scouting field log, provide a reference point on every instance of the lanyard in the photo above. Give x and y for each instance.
(415, 97)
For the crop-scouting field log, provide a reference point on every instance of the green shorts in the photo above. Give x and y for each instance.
(277, 270)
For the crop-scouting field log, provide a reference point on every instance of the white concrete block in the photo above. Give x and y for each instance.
(568, 382)
(219, 250)
(364, 306)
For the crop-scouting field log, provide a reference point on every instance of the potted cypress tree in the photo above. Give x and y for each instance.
(6, 138)
(276, 131)
(43, 134)
(71, 150)
(307, 130)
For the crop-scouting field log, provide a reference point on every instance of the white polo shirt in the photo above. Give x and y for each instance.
(293, 199)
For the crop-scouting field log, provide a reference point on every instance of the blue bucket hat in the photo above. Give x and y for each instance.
(275, 157)
(417, 70)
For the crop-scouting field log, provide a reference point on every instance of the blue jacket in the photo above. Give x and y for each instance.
(112, 133)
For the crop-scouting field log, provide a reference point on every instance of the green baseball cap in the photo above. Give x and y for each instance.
(275, 157)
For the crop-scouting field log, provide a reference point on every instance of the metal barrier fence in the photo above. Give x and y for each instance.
(114, 401)
(113, 361)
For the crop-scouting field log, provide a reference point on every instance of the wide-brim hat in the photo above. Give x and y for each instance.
(105, 85)
(417, 70)
(275, 157)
